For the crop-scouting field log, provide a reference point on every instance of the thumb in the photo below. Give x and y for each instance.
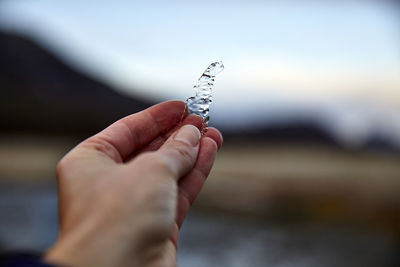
(176, 157)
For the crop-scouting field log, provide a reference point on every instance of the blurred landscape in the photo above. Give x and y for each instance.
(282, 192)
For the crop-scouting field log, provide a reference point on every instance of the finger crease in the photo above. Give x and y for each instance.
(186, 196)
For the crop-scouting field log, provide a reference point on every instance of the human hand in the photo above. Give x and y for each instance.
(124, 193)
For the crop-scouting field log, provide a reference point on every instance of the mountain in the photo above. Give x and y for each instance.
(41, 93)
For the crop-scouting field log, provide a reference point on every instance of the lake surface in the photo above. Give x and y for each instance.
(28, 220)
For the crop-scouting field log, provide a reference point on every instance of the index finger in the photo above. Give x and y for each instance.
(123, 137)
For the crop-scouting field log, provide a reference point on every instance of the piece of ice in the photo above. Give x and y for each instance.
(200, 103)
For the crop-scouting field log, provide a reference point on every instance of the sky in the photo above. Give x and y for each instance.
(338, 61)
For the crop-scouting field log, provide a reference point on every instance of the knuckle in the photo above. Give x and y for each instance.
(63, 167)
(60, 168)
(153, 160)
(185, 152)
(102, 145)
(161, 162)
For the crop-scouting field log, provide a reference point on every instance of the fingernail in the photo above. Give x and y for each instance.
(188, 134)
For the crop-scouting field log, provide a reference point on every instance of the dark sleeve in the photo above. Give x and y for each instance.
(23, 260)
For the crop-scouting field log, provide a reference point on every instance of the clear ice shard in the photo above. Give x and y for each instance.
(200, 103)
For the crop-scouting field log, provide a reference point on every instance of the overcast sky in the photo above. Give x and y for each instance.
(333, 57)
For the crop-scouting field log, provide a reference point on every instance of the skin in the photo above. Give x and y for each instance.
(124, 192)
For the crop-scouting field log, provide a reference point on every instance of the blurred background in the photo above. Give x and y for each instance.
(309, 105)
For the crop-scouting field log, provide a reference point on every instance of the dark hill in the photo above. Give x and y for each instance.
(302, 131)
(41, 93)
